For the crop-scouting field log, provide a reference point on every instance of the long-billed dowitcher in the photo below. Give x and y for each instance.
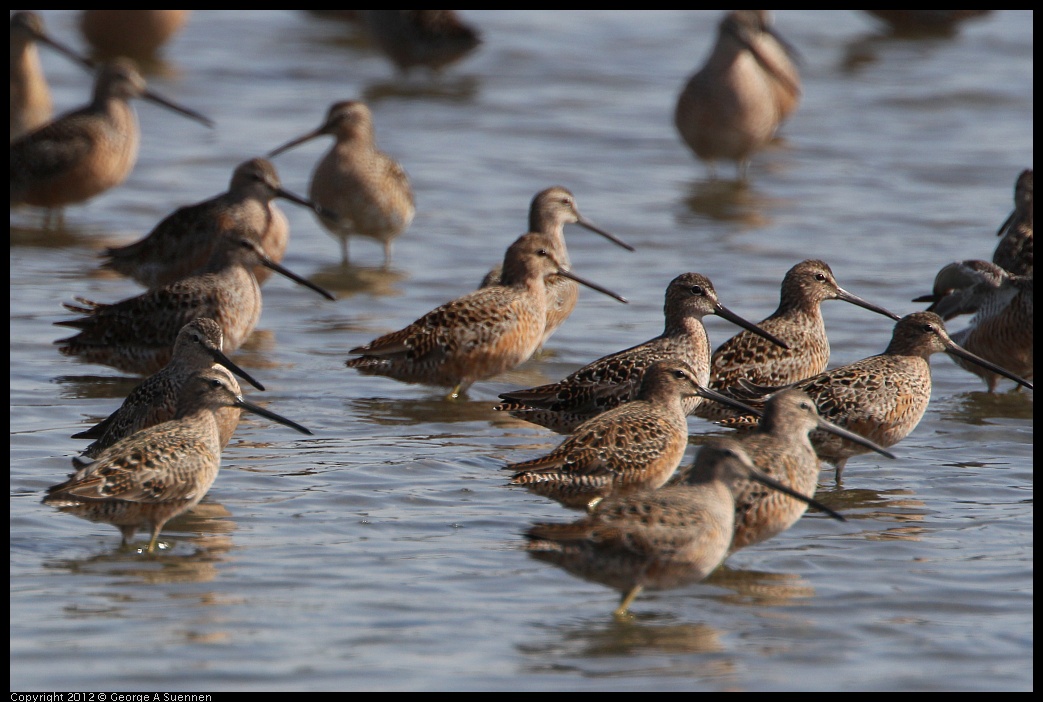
(550, 210)
(1014, 252)
(137, 335)
(615, 379)
(881, 398)
(782, 450)
(31, 105)
(154, 400)
(184, 240)
(915, 22)
(135, 33)
(798, 321)
(87, 151)
(659, 539)
(1001, 329)
(362, 190)
(732, 106)
(150, 477)
(430, 38)
(634, 446)
(480, 334)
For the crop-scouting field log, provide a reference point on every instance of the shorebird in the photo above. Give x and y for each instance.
(361, 190)
(87, 151)
(797, 321)
(881, 398)
(155, 400)
(135, 33)
(31, 105)
(480, 334)
(749, 84)
(659, 539)
(429, 38)
(928, 22)
(615, 379)
(781, 449)
(635, 446)
(154, 475)
(1014, 252)
(137, 335)
(550, 210)
(185, 239)
(1001, 329)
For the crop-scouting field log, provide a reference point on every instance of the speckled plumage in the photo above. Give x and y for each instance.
(1001, 329)
(881, 398)
(361, 190)
(615, 379)
(31, 105)
(184, 240)
(781, 449)
(797, 321)
(475, 336)
(85, 152)
(733, 105)
(150, 477)
(656, 539)
(550, 210)
(635, 446)
(155, 400)
(430, 38)
(1014, 252)
(137, 335)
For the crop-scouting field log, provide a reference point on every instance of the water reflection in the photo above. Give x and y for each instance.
(979, 407)
(610, 648)
(763, 589)
(96, 387)
(430, 409)
(194, 559)
(355, 280)
(446, 88)
(724, 201)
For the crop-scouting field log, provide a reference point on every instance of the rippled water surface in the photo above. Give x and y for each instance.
(384, 552)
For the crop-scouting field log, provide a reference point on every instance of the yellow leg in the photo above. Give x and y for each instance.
(624, 604)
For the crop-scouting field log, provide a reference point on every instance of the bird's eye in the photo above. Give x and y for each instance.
(928, 327)
(697, 290)
(679, 374)
(821, 277)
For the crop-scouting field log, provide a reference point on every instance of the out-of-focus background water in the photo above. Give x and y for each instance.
(384, 552)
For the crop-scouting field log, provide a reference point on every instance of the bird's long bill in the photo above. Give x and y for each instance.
(932, 298)
(593, 286)
(957, 350)
(170, 105)
(826, 425)
(269, 263)
(728, 401)
(295, 142)
(225, 361)
(722, 311)
(251, 407)
(765, 480)
(587, 224)
(62, 48)
(856, 300)
(1007, 223)
(302, 201)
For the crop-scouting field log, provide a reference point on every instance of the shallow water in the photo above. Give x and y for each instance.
(384, 552)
